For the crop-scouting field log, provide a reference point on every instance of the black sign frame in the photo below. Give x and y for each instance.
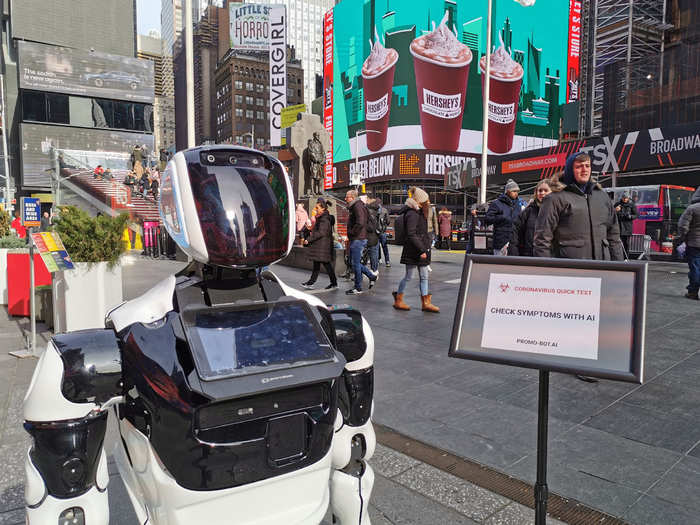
(540, 362)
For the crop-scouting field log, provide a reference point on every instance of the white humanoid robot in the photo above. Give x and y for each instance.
(238, 400)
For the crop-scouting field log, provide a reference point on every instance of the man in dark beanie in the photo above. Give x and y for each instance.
(502, 214)
(578, 222)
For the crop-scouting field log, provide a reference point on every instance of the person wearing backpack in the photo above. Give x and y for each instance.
(412, 228)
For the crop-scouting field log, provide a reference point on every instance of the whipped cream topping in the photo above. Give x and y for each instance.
(442, 45)
(502, 65)
(379, 59)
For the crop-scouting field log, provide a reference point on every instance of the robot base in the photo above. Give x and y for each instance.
(300, 497)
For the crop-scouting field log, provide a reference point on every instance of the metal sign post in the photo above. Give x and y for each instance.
(541, 491)
(553, 315)
(31, 347)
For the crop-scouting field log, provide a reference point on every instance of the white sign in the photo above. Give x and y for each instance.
(249, 26)
(543, 314)
(278, 71)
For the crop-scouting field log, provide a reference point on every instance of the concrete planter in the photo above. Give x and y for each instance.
(83, 296)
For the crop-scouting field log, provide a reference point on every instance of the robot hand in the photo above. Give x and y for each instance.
(65, 411)
(354, 440)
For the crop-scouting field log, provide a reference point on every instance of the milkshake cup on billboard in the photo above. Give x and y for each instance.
(378, 80)
(441, 63)
(506, 79)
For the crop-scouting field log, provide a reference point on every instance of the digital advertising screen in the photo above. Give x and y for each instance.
(74, 71)
(39, 139)
(405, 83)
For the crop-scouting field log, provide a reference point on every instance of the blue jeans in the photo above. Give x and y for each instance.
(693, 255)
(356, 248)
(385, 248)
(422, 274)
(374, 257)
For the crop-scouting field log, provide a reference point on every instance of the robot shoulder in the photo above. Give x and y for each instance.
(149, 307)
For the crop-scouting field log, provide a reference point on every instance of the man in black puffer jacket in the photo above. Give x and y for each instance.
(502, 214)
(578, 222)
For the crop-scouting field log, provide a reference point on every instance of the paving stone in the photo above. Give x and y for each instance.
(568, 482)
(389, 463)
(466, 498)
(12, 517)
(653, 511)
(669, 430)
(405, 507)
(681, 485)
(12, 477)
(516, 514)
(611, 457)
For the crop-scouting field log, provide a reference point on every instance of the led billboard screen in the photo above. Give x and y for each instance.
(39, 139)
(406, 78)
(74, 71)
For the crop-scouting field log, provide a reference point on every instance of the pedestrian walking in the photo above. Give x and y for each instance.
(578, 221)
(301, 218)
(502, 213)
(373, 234)
(521, 242)
(626, 214)
(321, 249)
(382, 225)
(416, 249)
(357, 235)
(689, 232)
(445, 228)
(433, 229)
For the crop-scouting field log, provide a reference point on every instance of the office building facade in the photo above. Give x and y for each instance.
(70, 84)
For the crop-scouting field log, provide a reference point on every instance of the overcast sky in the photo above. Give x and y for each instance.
(147, 16)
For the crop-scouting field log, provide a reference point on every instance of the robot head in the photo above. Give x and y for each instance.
(228, 206)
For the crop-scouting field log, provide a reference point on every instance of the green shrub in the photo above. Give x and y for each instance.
(12, 241)
(91, 239)
(5, 221)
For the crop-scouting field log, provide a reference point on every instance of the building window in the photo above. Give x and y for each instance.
(249, 101)
(260, 115)
(249, 113)
(260, 142)
(259, 88)
(239, 99)
(259, 101)
(33, 106)
(239, 112)
(238, 84)
(249, 86)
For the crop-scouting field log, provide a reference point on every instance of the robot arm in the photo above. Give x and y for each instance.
(354, 440)
(65, 410)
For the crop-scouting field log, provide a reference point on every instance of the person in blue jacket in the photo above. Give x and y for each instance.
(501, 214)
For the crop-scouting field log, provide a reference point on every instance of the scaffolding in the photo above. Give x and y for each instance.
(618, 30)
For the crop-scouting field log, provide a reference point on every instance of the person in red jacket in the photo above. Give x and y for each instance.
(17, 225)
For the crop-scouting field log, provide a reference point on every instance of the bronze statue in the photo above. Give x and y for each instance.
(317, 158)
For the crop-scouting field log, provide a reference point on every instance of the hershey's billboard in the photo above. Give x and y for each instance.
(75, 71)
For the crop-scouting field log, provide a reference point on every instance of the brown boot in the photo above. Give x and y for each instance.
(398, 302)
(427, 305)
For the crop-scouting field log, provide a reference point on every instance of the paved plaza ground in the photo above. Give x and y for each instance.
(632, 451)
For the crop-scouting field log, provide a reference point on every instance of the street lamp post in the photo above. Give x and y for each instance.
(485, 121)
(252, 135)
(357, 149)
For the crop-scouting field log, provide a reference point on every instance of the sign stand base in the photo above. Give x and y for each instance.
(541, 491)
